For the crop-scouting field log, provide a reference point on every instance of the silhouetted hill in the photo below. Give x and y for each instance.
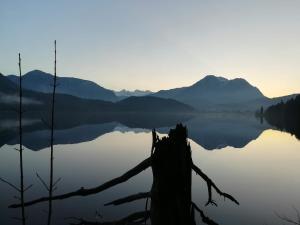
(36, 101)
(6, 86)
(211, 94)
(218, 94)
(40, 102)
(152, 104)
(214, 93)
(40, 81)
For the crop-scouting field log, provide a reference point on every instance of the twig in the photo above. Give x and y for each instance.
(30, 186)
(56, 182)
(289, 220)
(211, 184)
(205, 219)
(42, 181)
(10, 184)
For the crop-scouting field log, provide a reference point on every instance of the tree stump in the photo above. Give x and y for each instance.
(171, 164)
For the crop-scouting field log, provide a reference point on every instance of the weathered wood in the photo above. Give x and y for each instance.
(172, 179)
(130, 198)
(84, 192)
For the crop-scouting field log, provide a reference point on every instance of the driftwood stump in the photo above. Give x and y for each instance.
(171, 164)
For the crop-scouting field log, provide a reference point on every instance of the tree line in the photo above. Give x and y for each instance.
(285, 116)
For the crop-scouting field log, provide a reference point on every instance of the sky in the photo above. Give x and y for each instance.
(156, 44)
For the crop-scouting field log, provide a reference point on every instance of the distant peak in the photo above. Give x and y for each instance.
(36, 71)
(213, 77)
(39, 72)
(211, 80)
(240, 81)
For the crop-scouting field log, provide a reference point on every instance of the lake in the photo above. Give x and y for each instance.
(245, 157)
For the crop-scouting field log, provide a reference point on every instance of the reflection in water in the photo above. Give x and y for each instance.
(171, 201)
(285, 116)
(220, 131)
(210, 131)
(103, 150)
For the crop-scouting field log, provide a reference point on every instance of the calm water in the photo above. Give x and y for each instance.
(246, 158)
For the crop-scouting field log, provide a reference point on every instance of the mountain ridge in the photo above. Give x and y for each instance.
(210, 94)
(37, 80)
(213, 93)
(36, 102)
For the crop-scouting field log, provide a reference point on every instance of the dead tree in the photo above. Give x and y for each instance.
(21, 190)
(170, 195)
(21, 142)
(52, 186)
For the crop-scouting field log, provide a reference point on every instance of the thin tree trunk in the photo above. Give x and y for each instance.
(21, 143)
(52, 140)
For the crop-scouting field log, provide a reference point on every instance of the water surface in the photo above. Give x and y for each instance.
(251, 160)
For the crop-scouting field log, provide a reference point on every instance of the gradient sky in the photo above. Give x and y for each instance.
(156, 44)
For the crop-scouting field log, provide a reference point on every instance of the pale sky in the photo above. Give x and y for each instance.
(156, 44)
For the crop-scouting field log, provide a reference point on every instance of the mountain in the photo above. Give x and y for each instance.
(124, 93)
(214, 93)
(211, 94)
(40, 81)
(36, 102)
(150, 104)
(6, 86)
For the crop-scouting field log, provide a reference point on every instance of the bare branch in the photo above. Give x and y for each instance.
(298, 214)
(146, 205)
(85, 192)
(211, 184)
(133, 219)
(205, 219)
(129, 198)
(30, 186)
(42, 181)
(10, 184)
(287, 219)
(56, 182)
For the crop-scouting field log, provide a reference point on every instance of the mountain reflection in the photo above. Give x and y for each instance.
(211, 131)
